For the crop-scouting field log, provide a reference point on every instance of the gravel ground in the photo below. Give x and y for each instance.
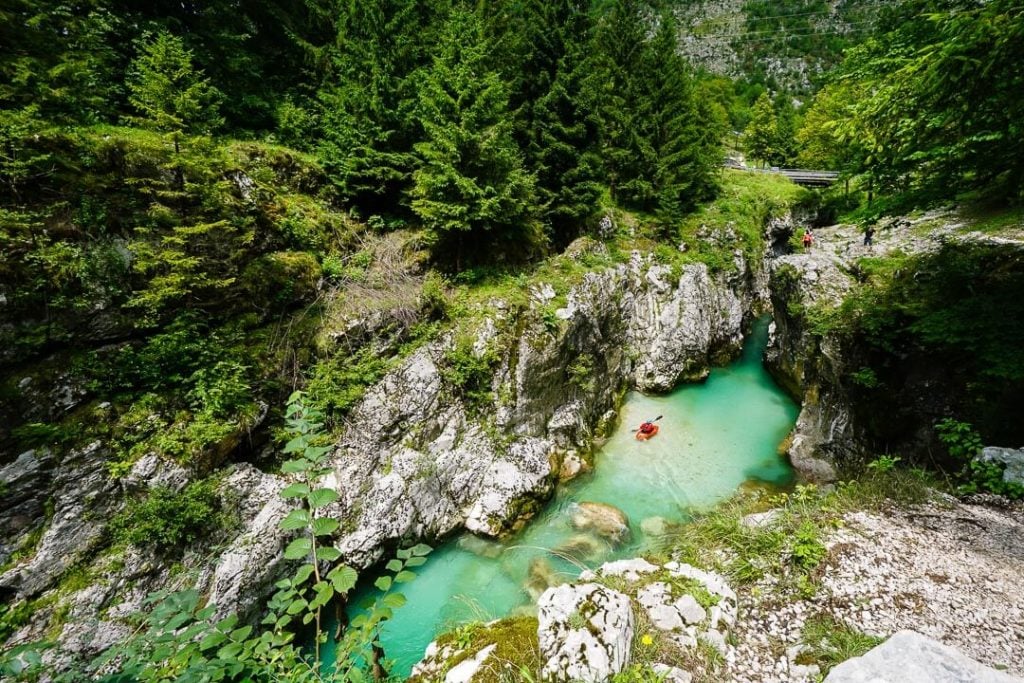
(953, 572)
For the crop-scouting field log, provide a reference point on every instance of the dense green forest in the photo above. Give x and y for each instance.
(190, 190)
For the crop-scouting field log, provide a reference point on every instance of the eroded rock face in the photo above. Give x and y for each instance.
(585, 632)
(909, 657)
(417, 461)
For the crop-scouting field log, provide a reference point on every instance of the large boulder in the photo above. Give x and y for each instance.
(909, 657)
(602, 519)
(585, 632)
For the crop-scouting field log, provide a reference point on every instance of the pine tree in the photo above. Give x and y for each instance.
(683, 137)
(470, 189)
(613, 87)
(559, 137)
(369, 126)
(168, 92)
(761, 134)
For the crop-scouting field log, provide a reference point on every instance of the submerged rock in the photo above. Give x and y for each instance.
(582, 547)
(602, 519)
(539, 577)
(585, 633)
(479, 546)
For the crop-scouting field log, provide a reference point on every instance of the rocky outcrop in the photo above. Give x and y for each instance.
(585, 632)
(909, 657)
(417, 461)
(1010, 459)
(436, 464)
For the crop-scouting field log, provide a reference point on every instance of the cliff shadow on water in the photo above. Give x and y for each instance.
(714, 438)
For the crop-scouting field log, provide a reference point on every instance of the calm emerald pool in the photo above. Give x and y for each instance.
(714, 437)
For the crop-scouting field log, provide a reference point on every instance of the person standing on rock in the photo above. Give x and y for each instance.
(808, 239)
(869, 233)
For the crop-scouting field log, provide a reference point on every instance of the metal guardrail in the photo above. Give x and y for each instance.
(800, 176)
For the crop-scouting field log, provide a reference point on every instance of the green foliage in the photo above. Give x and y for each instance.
(959, 308)
(337, 383)
(581, 372)
(178, 640)
(937, 109)
(470, 372)
(884, 463)
(169, 94)
(471, 186)
(977, 476)
(166, 520)
(761, 135)
(807, 549)
(830, 642)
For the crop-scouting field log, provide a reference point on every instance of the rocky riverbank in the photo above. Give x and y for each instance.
(946, 570)
(418, 459)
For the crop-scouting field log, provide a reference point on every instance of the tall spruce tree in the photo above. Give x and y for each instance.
(613, 87)
(369, 124)
(170, 95)
(560, 136)
(683, 137)
(470, 189)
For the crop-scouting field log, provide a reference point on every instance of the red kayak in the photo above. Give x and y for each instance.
(641, 436)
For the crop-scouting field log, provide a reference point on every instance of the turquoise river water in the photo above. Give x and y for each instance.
(715, 436)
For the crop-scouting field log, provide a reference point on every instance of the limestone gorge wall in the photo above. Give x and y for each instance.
(417, 459)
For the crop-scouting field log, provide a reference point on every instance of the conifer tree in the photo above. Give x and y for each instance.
(761, 134)
(471, 189)
(561, 138)
(683, 138)
(612, 89)
(369, 126)
(170, 95)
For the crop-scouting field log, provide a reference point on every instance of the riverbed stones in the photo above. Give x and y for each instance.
(909, 657)
(585, 632)
(602, 519)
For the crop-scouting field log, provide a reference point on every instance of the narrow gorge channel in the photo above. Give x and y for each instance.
(715, 437)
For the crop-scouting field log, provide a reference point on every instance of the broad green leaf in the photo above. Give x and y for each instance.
(297, 444)
(404, 553)
(229, 651)
(415, 561)
(421, 549)
(303, 574)
(298, 549)
(393, 600)
(240, 634)
(297, 606)
(296, 519)
(343, 577)
(325, 526)
(296, 490)
(327, 553)
(404, 577)
(383, 583)
(295, 466)
(211, 641)
(394, 566)
(322, 497)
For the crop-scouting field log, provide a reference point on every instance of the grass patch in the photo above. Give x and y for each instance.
(791, 546)
(830, 642)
